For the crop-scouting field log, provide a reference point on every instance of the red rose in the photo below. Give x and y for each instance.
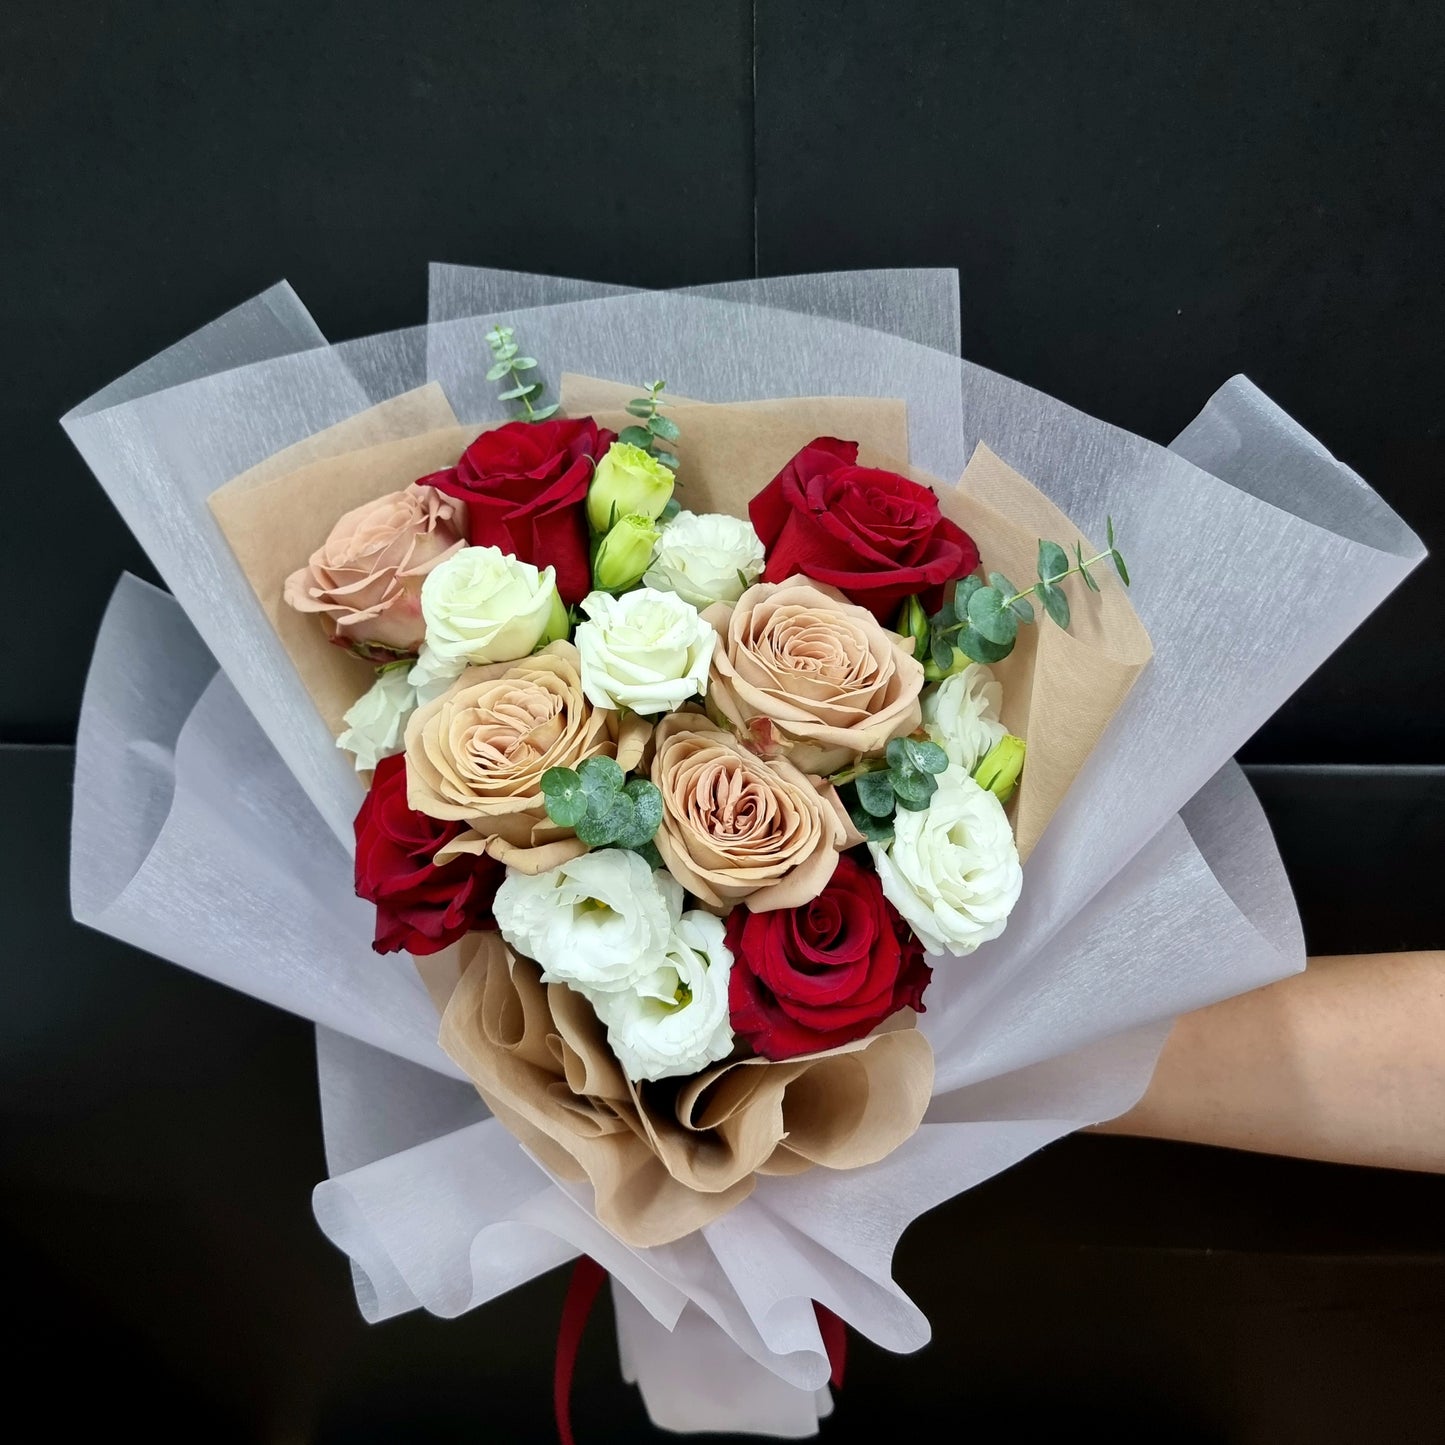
(825, 973)
(419, 906)
(525, 485)
(875, 536)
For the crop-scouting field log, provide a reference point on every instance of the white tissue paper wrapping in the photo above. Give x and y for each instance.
(213, 810)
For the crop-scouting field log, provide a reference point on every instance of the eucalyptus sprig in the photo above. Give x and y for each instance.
(905, 777)
(604, 807)
(510, 365)
(982, 616)
(655, 427)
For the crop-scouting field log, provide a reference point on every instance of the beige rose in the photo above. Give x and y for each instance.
(478, 752)
(736, 828)
(833, 683)
(366, 577)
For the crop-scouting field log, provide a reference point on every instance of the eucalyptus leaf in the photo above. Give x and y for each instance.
(874, 830)
(595, 828)
(974, 645)
(990, 618)
(1023, 609)
(541, 413)
(601, 775)
(963, 590)
(664, 427)
(635, 436)
(507, 352)
(926, 756)
(1109, 531)
(524, 363)
(913, 789)
(998, 580)
(668, 459)
(1053, 561)
(875, 793)
(946, 615)
(497, 371)
(640, 406)
(525, 389)
(558, 781)
(1056, 604)
(941, 651)
(646, 816)
(671, 510)
(649, 854)
(1120, 568)
(1089, 580)
(897, 755)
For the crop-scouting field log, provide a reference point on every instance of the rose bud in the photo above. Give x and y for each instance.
(627, 483)
(999, 771)
(624, 554)
(913, 622)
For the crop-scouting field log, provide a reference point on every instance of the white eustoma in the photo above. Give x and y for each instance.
(599, 923)
(480, 606)
(961, 715)
(705, 557)
(674, 1021)
(646, 650)
(952, 870)
(376, 721)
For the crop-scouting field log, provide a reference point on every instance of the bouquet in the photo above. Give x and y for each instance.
(757, 837)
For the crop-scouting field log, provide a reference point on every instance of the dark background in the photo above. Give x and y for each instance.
(1141, 199)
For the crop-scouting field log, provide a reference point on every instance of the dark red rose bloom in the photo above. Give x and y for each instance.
(525, 485)
(419, 906)
(825, 973)
(875, 536)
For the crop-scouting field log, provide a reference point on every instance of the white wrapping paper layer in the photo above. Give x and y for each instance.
(212, 815)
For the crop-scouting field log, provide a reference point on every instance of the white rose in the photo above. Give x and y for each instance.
(480, 606)
(952, 870)
(675, 1020)
(646, 650)
(700, 558)
(600, 922)
(961, 715)
(376, 721)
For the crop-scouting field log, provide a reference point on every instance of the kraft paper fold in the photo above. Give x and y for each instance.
(665, 1159)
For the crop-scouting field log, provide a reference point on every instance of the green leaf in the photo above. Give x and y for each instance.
(990, 618)
(875, 830)
(595, 828)
(1053, 561)
(524, 363)
(671, 510)
(742, 576)
(646, 813)
(1089, 580)
(601, 775)
(913, 789)
(946, 615)
(649, 854)
(498, 371)
(963, 590)
(998, 580)
(562, 793)
(635, 436)
(556, 781)
(1056, 604)
(897, 755)
(1109, 531)
(974, 645)
(1023, 609)
(875, 793)
(668, 459)
(525, 389)
(664, 427)
(507, 352)
(940, 649)
(926, 756)
(1120, 568)
(640, 406)
(541, 413)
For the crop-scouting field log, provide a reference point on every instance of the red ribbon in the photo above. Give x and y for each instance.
(587, 1279)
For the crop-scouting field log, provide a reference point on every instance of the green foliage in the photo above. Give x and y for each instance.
(508, 365)
(604, 807)
(906, 777)
(655, 427)
(979, 622)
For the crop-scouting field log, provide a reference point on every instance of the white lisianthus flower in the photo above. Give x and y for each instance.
(952, 870)
(480, 606)
(598, 923)
(675, 1020)
(376, 721)
(646, 650)
(961, 715)
(704, 558)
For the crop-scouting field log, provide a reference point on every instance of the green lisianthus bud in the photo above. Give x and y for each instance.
(999, 769)
(913, 622)
(624, 554)
(559, 625)
(627, 483)
(932, 672)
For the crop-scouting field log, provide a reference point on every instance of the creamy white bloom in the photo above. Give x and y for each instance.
(600, 922)
(481, 606)
(961, 715)
(700, 557)
(675, 1020)
(646, 650)
(952, 871)
(376, 721)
